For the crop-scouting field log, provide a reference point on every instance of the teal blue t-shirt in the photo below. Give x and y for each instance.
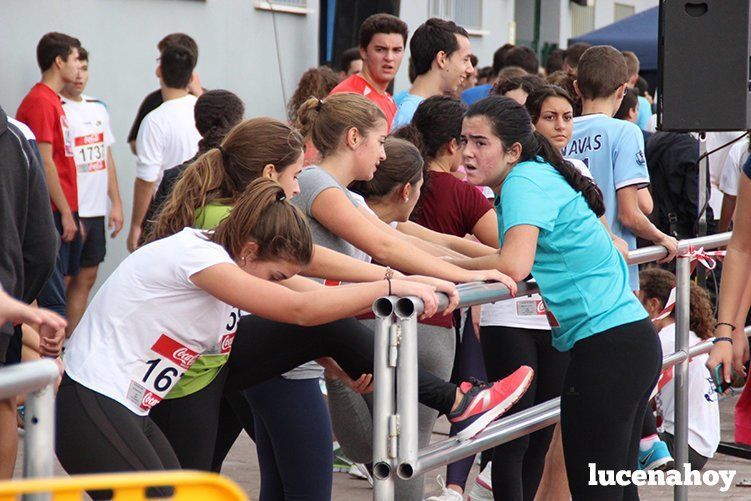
(582, 277)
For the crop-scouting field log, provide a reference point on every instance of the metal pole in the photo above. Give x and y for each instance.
(406, 387)
(702, 222)
(384, 420)
(682, 311)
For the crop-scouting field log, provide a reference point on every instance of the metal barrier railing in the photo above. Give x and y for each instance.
(395, 449)
(37, 381)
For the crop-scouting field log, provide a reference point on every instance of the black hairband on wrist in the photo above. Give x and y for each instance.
(717, 339)
(725, 323)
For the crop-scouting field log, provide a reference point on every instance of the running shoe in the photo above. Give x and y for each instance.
(489, 400)
(483, 488)
(341, 463)
(446, 493)
(656, 457)
(360, 471)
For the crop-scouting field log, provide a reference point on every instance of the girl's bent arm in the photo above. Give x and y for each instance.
(319, 305)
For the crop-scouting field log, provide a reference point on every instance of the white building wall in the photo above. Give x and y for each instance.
(237, 52)
(236, 45)
(555, 20)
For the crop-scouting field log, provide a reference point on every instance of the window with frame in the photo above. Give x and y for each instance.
(622, 11)
(289, 6)
(465, 13)
(582, 19)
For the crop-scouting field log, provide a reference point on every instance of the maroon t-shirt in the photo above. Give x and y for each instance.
(453, 207)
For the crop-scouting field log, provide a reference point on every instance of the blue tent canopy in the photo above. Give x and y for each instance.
(637, 33)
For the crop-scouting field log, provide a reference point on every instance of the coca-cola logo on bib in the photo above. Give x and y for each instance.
(149, 400)
(226, 344)
(174, 350)
(185, 356)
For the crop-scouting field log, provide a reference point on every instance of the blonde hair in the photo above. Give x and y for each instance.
(326, 121)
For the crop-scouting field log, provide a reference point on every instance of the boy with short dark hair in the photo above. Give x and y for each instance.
(350, 62)
(97, 183)
(441, 54)
(523, 57)
(153, 100)
(382, 41)
(42, 111)
(613, 149)
(167, 136)
(573, 54)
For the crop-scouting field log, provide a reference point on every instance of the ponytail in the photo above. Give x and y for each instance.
(325, 121)
(587, 187)
(262, 214)
(221, 174)
(192, 191)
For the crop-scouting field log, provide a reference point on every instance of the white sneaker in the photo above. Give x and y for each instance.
(360, 471)
(483, 488)
(446, 493)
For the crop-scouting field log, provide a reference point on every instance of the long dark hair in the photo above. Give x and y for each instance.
(512, 124)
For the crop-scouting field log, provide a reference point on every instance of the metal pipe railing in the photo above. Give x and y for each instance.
(511, 427)
(37, 381)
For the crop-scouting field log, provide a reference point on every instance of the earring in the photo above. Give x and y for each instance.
(244, 260)
(406, 200)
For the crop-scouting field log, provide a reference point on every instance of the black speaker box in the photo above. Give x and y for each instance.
(704, 82)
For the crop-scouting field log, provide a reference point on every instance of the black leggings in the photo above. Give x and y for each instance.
(518, 465)
(95, 434)
(264, 349)
(605, 394)
(195, 424)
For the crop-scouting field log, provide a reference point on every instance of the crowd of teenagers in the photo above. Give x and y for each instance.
(258, 245)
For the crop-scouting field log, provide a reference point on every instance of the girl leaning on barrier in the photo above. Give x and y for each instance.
(264, 349)
(163, 307)
(731, 344)
(547, 216)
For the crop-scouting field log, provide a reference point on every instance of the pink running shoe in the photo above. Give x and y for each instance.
(489, 401)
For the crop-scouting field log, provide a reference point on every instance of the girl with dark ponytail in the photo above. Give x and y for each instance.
(548, 222)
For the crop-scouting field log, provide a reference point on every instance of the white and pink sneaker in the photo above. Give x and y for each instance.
(489, 401)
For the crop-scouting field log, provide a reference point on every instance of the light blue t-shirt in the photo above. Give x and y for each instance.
(582, 277)
(476, 93)
(406, 111)
(399, 96)
(614, 152)
(645, 113)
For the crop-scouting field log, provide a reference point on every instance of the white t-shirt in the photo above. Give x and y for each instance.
(167, 137)
(148, 322)
(89, 123)
(527, 312)
(717, 163)
(731, 171)
(703, 411)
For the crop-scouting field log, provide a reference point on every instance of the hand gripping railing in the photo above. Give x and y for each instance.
(395, 450)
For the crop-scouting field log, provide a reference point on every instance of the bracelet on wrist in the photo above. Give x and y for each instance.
(732, 327)
(389, 273)
(723, 338)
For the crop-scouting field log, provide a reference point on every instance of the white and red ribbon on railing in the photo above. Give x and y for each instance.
(708, 259)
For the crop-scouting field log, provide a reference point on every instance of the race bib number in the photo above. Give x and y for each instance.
(89, 153)
(156, 377)
(530, 308)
